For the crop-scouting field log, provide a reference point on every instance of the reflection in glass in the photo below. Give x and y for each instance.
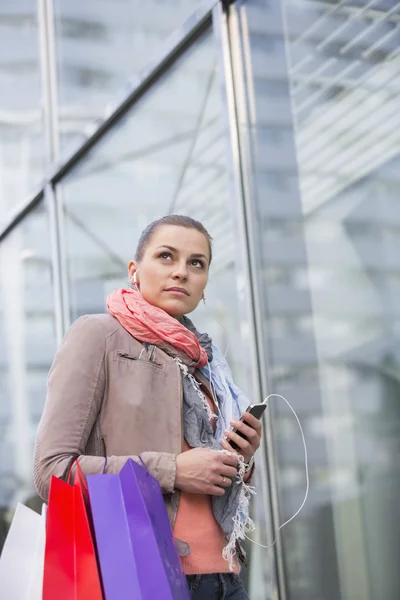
(21, 126)
(101, 46)
(330, 278)
(27, 345)
(167, 155)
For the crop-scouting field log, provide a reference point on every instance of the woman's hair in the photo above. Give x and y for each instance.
(180, 221)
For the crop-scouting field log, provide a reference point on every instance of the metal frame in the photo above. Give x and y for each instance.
(52, 135)
(233, 47)
(244, 121)
(50, 200)
(21, 210)
(49, 78)
(247, 264)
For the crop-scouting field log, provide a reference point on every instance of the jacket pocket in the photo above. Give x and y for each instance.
(118, 355)
(126, 357)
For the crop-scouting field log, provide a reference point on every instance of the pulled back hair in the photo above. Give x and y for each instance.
(178, 220)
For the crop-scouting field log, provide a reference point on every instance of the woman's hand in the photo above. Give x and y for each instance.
(205, 471)
(251, 429)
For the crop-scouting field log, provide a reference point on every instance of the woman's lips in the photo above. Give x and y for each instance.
(177, 292)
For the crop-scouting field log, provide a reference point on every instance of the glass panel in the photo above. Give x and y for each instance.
(330, 272)
(168, 155)
(21, 127)
(27, 345)
(101, 46)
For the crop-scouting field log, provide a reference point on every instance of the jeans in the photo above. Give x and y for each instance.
(217, 586)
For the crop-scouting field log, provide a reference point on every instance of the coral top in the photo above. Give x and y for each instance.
(195, 524)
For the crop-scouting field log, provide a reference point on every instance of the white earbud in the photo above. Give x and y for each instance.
(134, 278)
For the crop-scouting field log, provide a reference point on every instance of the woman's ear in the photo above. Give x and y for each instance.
(132, 267)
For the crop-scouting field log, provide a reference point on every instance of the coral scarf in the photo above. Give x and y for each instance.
(150, 324)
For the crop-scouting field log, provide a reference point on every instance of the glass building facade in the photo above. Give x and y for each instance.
(277, 124)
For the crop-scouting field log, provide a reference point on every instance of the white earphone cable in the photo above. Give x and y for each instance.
(306, 468)
(302, 437)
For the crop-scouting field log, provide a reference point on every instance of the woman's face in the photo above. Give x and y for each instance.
(173, 272)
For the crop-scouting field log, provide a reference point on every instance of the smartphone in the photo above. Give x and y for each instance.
(257, 410)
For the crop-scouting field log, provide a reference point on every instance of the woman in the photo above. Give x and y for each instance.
(141, 380)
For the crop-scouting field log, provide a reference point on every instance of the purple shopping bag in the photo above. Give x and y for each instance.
(134, 539)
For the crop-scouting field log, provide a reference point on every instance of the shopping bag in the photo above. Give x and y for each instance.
(70, 563)
(36, 583)
(21, 561)
(137, 554)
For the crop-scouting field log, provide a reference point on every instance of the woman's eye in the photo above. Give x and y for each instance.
(198, 263)
(165, 255)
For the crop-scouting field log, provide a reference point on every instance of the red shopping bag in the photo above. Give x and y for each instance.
(70, 564)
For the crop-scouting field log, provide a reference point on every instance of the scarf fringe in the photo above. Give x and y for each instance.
(196, 386)
(242, 523)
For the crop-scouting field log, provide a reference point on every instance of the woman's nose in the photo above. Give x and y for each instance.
(180, 271)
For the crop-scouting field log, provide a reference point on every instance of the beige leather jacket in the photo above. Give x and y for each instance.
(107, 396)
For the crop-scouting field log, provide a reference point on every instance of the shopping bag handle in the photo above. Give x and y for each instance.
(79, 470)
(143, 464)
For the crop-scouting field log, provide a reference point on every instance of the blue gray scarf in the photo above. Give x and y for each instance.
(231, 509)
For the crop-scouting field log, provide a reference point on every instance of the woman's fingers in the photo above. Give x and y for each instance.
(226, 446)
(241, 442)
(227, 459)
(223, 481)
(228, 471)
(215, 490)
(223, 475)
(252, 422)
(249, 432)
(246, 446)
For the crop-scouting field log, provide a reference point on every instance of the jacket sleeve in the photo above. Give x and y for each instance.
(75, 393)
